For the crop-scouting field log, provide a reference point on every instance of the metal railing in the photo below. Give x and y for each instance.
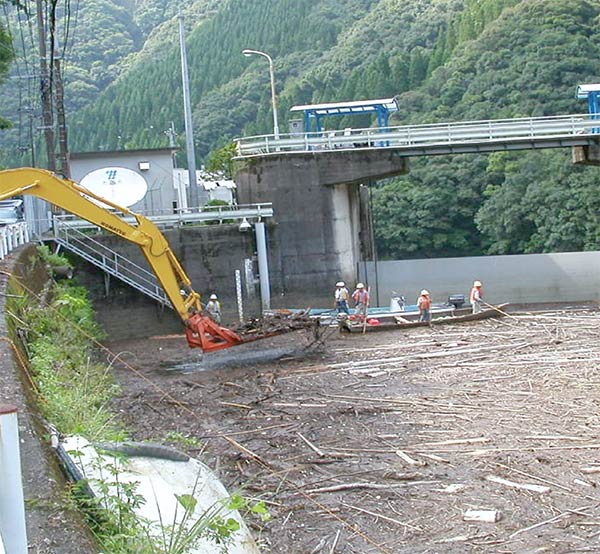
(100, 255)
(68, 232)
(11, 236)
(424, 139)
(163, 219)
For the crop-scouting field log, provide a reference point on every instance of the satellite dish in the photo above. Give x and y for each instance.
(120, 185)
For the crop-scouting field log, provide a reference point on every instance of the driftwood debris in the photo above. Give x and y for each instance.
(371, 486)
(318, 451)
(482, 516)
(410, 461)
(523, 486)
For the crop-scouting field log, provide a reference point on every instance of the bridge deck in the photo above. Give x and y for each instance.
(437, 138)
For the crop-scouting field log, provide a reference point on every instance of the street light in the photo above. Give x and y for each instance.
(247, 52)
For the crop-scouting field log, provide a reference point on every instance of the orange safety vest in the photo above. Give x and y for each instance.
(424, 302)
(476, 294)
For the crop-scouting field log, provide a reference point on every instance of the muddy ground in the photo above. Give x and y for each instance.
(383, 442)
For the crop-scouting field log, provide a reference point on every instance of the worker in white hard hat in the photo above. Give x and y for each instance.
(424, 305)
(361, 300)
(476, 297)
(341, 296)
(213, 308)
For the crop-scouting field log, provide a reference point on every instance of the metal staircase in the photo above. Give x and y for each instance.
(109, 261)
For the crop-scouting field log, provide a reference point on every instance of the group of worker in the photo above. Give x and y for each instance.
(475, 298)
(360, 297)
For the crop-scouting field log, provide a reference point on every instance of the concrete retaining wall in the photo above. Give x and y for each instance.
(210, 255)
(519, 279)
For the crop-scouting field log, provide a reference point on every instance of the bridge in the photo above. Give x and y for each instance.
(317, 176)
(436, 138)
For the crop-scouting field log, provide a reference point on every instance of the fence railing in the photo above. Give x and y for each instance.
(185, 217)
(11, 236)
(410, 137)
(100, 255)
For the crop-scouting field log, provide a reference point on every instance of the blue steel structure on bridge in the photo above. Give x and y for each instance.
(316, 112)
(591, 92)
(430, 139)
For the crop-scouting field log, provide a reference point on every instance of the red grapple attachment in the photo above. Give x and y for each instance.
(202, 332)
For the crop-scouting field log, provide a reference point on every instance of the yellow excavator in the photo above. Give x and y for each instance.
(201, 331)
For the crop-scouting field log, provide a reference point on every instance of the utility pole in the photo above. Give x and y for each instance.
(45, 89)
(193, 197)
(63, 146)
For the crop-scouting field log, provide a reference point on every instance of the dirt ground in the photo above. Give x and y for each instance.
(385, 442)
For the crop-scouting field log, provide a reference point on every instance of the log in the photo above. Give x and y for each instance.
(374, 486)
(482, 516)
(522, 486)
(408, 459)
(319, 452)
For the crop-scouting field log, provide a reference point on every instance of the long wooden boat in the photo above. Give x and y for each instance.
(374, 324)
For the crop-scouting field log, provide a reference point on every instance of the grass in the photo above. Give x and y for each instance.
(58, 334)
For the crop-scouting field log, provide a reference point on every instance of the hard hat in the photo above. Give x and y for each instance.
(340, 284)
(360, 286)
(424, 292)
(213, 296)
(477, 284)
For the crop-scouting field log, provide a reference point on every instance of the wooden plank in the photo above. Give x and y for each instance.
(402, 324)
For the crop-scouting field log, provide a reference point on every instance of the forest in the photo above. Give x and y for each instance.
(445, 60)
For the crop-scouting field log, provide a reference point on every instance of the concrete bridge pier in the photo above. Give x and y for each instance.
(320, 229)
(588, 155)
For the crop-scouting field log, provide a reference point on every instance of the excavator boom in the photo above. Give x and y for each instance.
(201, 331)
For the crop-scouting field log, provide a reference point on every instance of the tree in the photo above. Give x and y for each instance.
(6, 57)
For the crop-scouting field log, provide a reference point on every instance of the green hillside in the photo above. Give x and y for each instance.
(447, 60)
(527, 62)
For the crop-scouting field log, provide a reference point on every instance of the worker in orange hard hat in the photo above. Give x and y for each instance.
(424, 305)
(476, 297)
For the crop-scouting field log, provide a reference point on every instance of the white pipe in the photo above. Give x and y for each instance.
(238, 290)
(12, 508)
(263, 265)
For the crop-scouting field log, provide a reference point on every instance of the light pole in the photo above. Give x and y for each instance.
(247, 52)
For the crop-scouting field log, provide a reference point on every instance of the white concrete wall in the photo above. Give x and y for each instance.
(564, 277)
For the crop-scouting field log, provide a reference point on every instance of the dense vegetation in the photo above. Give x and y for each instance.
(447, 60)
(6, 57)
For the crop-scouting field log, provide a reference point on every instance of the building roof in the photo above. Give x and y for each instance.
(584, 90)
(114, 153)
(356, 106)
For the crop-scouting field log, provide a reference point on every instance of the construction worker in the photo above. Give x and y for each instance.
(361, 300)
(476, 297)
(424, 305)
(214, 308)
(341, 298)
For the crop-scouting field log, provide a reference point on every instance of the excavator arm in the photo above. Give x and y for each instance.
(201, 331)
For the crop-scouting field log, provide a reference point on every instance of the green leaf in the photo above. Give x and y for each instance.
(188, 502)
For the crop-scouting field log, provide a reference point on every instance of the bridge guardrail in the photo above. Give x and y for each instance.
(11, 236)
(183, 217)
(113, 263)
(411, 136)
